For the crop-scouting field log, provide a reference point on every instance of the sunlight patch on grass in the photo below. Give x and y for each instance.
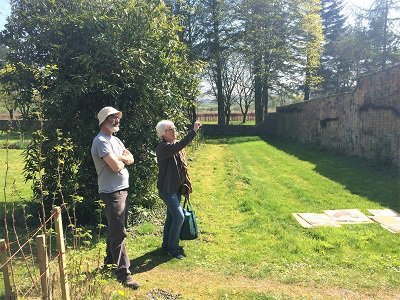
(262, 186)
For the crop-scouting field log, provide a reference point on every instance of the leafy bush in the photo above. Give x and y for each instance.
(74, 57)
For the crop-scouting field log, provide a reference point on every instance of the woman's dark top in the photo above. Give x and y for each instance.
(169, 179)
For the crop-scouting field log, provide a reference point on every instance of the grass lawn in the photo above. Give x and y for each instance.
(250, 246)
(16, 188)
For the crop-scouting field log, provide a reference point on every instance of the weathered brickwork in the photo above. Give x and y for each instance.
(365, 122)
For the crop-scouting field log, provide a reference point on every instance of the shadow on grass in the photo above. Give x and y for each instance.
(376, 182)
(219, 139)
(149, 261)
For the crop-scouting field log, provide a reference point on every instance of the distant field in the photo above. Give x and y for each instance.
(231, 123)
(213, 107)
(14, 140)
(235, 118)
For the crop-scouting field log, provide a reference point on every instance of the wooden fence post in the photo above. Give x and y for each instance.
(61, 250)
(43, 265)
(5, 270)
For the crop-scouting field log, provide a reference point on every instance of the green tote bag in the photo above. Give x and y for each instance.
(189, 229)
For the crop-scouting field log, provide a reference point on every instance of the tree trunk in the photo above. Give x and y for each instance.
(220, 97)
(10, 113)
(218, 69)
(265, 96)
(245, 114)
(385, 42)
(307, 86)
(258, 92)
(228, 115)
(306, 93)
(194, 114)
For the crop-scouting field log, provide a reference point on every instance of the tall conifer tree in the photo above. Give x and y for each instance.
(333, 67)
(381, 33)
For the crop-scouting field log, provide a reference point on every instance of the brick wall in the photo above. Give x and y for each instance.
(365, 122)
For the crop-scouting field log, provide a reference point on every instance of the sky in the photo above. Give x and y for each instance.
(351, 5)
(5, 11)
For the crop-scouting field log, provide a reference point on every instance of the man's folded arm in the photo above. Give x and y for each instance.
(113, 162)
(127, 157)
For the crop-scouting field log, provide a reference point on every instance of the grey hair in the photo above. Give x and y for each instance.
(162, 126)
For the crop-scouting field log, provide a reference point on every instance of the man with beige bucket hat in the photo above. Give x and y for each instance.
(110, 158)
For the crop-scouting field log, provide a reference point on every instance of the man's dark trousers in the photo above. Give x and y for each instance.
(115, 211)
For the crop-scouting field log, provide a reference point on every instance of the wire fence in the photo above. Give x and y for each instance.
(29, 271)
(24, 268)
(19, 262)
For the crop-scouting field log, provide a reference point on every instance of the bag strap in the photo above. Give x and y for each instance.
(178, 166)
(186, 204)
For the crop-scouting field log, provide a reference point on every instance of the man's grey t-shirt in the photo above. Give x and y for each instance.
(108, 180)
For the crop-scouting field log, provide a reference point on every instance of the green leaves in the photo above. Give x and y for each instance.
(70, 58)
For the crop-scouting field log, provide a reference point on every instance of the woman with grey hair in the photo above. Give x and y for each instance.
(172, 176)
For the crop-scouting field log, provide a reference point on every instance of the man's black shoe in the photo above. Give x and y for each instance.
(129, 282)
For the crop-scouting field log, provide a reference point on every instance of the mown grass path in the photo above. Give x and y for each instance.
(251, 247)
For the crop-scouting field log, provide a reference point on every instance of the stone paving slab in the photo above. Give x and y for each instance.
(347, 216)
(311, 220)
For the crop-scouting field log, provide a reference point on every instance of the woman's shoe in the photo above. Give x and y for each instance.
(180, 249)
(177, 256)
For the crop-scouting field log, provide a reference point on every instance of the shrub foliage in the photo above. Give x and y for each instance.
(73, 57)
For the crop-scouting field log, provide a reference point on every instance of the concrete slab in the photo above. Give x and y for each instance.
(347, 216)
(389, 223)
(311, 220)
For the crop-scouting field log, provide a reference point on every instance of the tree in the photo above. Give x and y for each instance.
(83, 55)
(188, 13)
(369, 45)
(231, 69)
(230, 79)
(381, 33)
(333, 68)
(3, 54)
(244, 89)
(216, 31)
(8, 100)
(354, 52)
(313, 39)
(267, 30)
(19, 82)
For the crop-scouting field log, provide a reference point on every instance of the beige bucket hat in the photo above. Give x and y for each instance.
(105, 112)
